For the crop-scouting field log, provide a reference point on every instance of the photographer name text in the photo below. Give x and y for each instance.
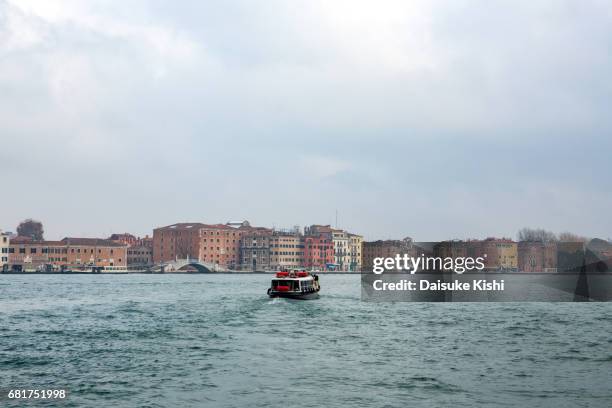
(438, 285)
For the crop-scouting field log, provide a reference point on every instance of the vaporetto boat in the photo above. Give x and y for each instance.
(295, 285)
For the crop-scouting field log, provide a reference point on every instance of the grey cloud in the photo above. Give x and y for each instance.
(428, 119)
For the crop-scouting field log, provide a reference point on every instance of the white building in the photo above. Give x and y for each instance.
(342, 254)
(4, 249)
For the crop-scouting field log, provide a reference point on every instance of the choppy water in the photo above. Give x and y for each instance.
(217, 340)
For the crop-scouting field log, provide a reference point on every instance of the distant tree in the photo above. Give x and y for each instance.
(31, 228)
(536, 235)
(571, 237)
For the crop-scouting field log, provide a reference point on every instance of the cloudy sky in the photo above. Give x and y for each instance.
(433, 119)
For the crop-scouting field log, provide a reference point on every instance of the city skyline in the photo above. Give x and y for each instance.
(532, 233)
(437, 120)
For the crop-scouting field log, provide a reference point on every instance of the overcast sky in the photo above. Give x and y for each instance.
(430, 119)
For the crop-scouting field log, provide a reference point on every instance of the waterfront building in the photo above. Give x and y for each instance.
(255, 250)
(342, 257)
(355, 250)
(5, 240)
(346, 248)
(216, 244)
(139, 257)
(139, 252)
(386, 249)
(220, 245)
(500, 254)
(286, 249)
(28, 254)
(31, 255)
(176, 241)
(95, 251)
(318, 252)
(537, 256)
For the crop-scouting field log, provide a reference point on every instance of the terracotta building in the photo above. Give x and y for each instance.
(220, 245)
(177, 241)
(318, 252)
(217, 244)
(67, 253)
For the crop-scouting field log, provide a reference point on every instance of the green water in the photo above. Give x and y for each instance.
(219, 341)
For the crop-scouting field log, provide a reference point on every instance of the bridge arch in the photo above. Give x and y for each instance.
(195, 265)
(181, 265)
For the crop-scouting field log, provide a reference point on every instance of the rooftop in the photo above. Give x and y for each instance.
(91, 242)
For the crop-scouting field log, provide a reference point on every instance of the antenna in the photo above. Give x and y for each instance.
(336, 218)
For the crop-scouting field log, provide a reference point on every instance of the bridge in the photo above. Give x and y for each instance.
(180, 265)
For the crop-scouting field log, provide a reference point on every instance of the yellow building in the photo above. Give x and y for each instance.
(286, 250)
(501, 254)
(355, 250)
